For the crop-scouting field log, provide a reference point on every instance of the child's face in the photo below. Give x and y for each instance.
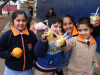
(20, 22)
(84, 31)
(56, 27)
(67, 25)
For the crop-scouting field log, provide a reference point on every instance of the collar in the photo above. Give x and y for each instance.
(74, 32)
(54, 38)
(87, 39)
(92, 40)
(16, 32)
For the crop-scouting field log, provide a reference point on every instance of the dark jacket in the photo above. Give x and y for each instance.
(48, 15)
(11, 39)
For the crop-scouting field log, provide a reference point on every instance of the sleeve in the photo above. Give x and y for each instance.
(96, 31)
(95, 59)
(35, 58)
(34, 43)
(69, 44)
(40, 48)
(4, 52)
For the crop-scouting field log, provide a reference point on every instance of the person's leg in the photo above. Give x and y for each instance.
(59, 73)
(28, 25)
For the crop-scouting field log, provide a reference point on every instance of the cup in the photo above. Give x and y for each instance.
(50, 33)
(94, 18)
(60, 40)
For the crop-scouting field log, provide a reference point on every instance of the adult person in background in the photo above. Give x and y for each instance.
(29, 14)
(50, 13)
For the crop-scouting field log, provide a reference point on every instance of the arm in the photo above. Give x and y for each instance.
(4, 52)
(96, 30)
(95, 63)
(35, 41)
(68, 45)
(40, 48)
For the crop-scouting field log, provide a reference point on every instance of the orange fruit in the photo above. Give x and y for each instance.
(17, 51)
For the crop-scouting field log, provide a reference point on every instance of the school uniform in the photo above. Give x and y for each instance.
(49, 56)
(26, 41)
(82, 57)
(66, 54)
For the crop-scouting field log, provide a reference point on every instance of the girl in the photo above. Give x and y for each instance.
(68, 25)
(18, 36)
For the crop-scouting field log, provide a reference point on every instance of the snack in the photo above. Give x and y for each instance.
(60, 40)
(94, 18)
(93, 21)
(50, 33)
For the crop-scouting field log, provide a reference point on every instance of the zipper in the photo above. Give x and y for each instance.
(23, 52)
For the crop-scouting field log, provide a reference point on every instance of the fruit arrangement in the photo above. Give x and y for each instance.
(50, 33)
(93, 21)
(17, 51)
(60, 40)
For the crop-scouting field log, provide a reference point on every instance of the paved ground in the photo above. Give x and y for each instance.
(5, 25)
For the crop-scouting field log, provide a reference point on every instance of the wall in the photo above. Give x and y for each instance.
(12, 8)
(76, 8)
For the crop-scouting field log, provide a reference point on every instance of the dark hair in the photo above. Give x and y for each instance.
(51, 8)
(16, 13)
(67, 15)
(70, 17)
(53, 20)
(84, 20)
(30, 7)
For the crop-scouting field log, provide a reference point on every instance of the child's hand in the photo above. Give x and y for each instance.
(57, 34)
(64, 43)
(97, 23)
(96, 65)
(15, 56)
(44, 36)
